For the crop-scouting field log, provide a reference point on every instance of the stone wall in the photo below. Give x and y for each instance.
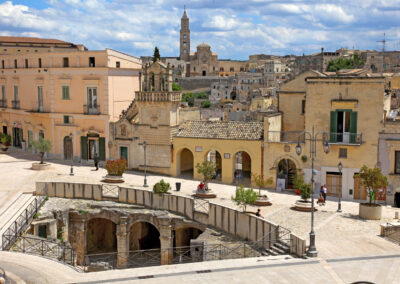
(230, 220)
(193, 83)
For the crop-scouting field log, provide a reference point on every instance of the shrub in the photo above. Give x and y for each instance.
(261, 182)
(42, 146)
(298, 181)
(373, 180)
(244, 197)
(207, 170)
(116, 167)
(305, 191)
(176, 87)
(205, 104)
(5, 139)
(161, 187)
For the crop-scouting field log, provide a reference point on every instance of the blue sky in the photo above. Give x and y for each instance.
(234, 28)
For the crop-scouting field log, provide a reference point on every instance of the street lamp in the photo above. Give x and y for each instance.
(340, 167)
(237, 171)
(72, 156)
(312, 250)
(145, 166)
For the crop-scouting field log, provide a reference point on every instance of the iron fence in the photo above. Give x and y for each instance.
(392, 232)
(43, 247)
(22, 223)
(201, 205)
(110, 190)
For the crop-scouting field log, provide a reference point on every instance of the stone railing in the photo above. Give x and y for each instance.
(158, 96)
(230, 220)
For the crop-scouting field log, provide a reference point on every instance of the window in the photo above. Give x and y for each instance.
(15, 93)
(66, 119)
(184, 51)
(343, 126)
(26, 63)
(231, 69)
(342, 153)
(397, 162)
(2, 64)
(118, 64)
(92, 62)
(65, 93)
(40, 62)
(3, 92)
(303, 106)
(40, 98)
(41, 134)
(65, 62)
(184, 36)
(15, 63)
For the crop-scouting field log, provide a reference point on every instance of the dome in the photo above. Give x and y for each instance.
(203, 45)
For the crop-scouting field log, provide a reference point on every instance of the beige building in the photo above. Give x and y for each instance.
(204, 62)
(232, 67)
(55, 89)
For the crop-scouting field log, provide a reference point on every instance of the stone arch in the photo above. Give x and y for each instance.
(144, 235)
(101, 236)
(215, 156)
(183, 235)
(286, 169)
(185, 162)
(242, 167)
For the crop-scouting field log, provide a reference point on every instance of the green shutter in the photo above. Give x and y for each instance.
(84, 148)
(65, 92)
(353, 127)
(333, 126)
(102, 149)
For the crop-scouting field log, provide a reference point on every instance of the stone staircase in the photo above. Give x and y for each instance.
(278, 248)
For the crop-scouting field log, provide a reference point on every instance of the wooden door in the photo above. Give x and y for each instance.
(333, 184)
(359, 191)
(67, 148)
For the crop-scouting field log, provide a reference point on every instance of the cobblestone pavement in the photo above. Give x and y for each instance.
(337, 234)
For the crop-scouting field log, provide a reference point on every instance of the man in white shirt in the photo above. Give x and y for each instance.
(324, 191)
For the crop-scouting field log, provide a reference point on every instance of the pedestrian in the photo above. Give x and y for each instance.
(96, 161)
(258, 214)
(324, 191)
(321, 196)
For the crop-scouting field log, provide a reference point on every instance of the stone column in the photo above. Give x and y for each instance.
(122, 242)
(166, 241)
(77, 238)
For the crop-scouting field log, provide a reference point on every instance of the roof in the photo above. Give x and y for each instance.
(231, 130)
(203, 45)
(17, 39)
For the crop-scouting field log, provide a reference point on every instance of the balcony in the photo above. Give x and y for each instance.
(15, 104)
(158, 96)
(285, 136)
(345, 138)
(3, 103)
(38, 109)
(91, 109)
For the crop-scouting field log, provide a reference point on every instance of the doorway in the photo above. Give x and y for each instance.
(123, 153)
(333, 183)
(93, 147)
(67, 148)
(204, 73)
(17, 137)
(397, 199)
(343, 126)
(5, 129)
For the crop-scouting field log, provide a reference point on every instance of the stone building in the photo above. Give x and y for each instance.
(184, 53)
(317, 61)
(382, 61)
(64, 93)
(229, 67)
(150, 121)
(204, 62)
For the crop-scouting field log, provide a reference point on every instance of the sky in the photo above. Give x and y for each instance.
(235, 29)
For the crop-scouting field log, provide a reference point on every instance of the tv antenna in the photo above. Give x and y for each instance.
(383, 42)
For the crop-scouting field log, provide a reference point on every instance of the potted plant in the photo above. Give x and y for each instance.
(42, 146)
(262, 199)
(161, 187)
(115, 170)
(5, 141)
(298, 181)
(244, 197)
(373, 180)
(207, 170)
(305, 193)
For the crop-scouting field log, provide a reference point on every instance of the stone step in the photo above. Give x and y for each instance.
(282, 246)
(271, 252)
(278, 250)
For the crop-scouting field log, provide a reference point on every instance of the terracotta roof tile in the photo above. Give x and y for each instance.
(231, 130)
(18, 39)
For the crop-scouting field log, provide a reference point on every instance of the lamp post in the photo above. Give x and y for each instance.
(145, 166)
(340, 167)
(312, 250)
(72, 156)
(237, 171)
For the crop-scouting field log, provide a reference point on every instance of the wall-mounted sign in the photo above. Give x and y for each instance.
(227, 155)
(286, 148)
(199, 149)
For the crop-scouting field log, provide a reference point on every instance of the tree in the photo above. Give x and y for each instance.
(244, 197)
(189, 98)
(305, 191)
(345, 63)
(298, 181)
(42, 146)
(176, 87)
(205, 104)
(201, 95)
(261, 182)
(207, 170)
(156, 55)
(373, 180)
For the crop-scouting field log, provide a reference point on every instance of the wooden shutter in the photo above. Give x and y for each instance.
(84, 148)
(102, 149)
(333, 129)
(353, 127)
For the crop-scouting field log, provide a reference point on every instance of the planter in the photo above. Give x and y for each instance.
(304, 206)
(178, 186)
(204, 194)
(368, 212)
(4, 148)
(40, 167)
(113, 179)
(262, 200)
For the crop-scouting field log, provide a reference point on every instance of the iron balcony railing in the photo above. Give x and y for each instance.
(91, 109)
(345, 138)
(15, 104)
(3, 103)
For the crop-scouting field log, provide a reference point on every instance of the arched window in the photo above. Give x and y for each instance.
(123, 130)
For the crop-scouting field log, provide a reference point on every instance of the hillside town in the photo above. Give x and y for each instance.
(315, 127)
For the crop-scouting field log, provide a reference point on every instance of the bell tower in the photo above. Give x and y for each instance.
(185, 37)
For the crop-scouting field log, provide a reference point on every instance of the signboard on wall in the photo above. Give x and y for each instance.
(280, 184)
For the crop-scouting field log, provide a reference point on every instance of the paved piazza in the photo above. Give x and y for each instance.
(350, 249)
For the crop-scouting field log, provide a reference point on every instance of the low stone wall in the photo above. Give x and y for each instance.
(230, 220)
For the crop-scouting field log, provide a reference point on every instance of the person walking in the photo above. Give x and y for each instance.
(96, 161)
(324, 191)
